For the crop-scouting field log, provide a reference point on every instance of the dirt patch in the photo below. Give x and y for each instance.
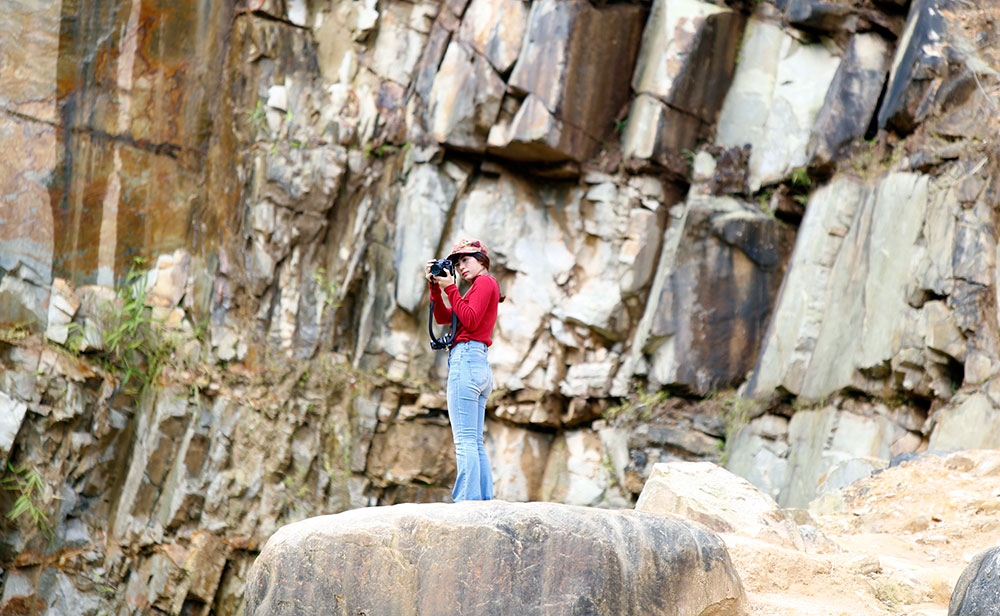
(893, 544)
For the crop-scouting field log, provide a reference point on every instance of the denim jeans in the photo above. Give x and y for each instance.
(470, 381)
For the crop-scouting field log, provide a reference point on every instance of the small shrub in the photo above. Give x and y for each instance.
(801, 179)
(327, 288)
(30, 489)
(14, 333)
(134, 344)
(257, 117)
(638, 406)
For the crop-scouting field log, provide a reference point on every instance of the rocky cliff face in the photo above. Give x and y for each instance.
(682, 198)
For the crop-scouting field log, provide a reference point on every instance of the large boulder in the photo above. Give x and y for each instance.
(711, 495)
(494, 558)
(977, 592)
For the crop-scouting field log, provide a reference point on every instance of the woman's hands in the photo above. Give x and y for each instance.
(442, 281)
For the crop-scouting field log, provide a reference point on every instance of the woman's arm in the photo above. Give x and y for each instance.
(442, 313)
(471, 308)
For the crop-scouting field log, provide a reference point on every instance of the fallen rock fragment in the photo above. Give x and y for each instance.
(726, 503)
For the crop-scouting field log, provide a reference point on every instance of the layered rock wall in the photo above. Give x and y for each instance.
(681, 198)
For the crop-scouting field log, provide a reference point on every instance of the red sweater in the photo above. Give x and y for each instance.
(477, 311)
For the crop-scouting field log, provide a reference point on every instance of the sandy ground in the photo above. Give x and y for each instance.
(895, 543)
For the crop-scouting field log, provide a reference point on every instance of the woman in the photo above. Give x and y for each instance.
(470, 378)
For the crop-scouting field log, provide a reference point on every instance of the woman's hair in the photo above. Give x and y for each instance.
(485, 262)
(483, 259)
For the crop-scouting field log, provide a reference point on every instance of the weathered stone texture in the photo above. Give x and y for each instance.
(884, 250)
(684, 68)
(710, 495)
(464, 99)
(851, 100)
(531, 558)
(933, 64)
(287, 167)
(699, 335)
(976, 592)
(777, 93)
(495, 29)
(572, 98)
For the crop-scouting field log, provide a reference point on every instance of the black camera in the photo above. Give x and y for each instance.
(442, 266)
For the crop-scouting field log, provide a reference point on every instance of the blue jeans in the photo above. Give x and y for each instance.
(470, 381)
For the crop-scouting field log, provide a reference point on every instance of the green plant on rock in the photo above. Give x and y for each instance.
(30, 489)
(764, 202)
(381, 151)
(800, 178)
(134, 344)
(257, 117)
(14, 333)
(736, 413)
(327, 288)
(637, 406)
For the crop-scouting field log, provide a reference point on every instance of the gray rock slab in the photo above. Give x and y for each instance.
(11, 415)
(493, 558)
(558, 65)
(928, 62)
(850, 102)
(977, 592)
(952, 429)
(464, 99)
(722, 283)
(776, 95)
(856, 244)
(688, 55)
(495, 28)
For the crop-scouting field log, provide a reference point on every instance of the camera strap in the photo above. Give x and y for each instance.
(445, 341)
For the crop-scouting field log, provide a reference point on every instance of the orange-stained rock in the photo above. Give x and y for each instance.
(29, 49)
(109, 114)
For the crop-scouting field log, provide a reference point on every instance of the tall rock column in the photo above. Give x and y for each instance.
(685, 65)
(569, 82)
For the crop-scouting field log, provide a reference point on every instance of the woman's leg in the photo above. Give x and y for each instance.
(485, 473)
(463, 407)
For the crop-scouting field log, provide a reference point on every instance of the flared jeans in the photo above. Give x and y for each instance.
(470, 381)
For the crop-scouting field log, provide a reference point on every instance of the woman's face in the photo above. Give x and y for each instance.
(469, 267)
